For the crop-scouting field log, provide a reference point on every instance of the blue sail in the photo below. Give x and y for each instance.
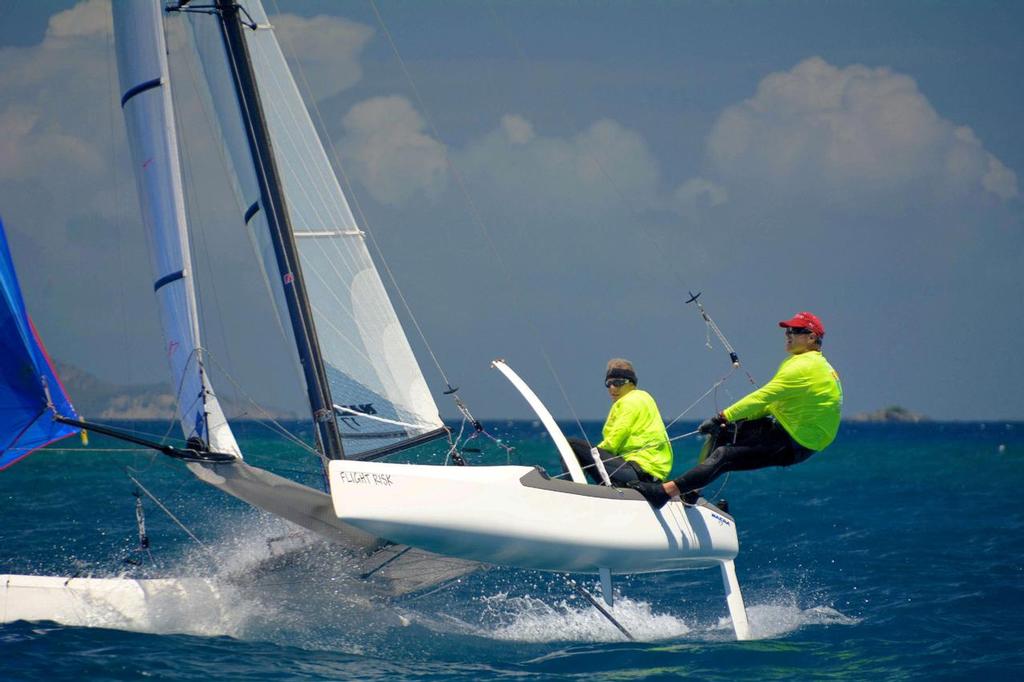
(26, 422)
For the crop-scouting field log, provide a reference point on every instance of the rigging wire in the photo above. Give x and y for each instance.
(204, 353)
(351, 195)
(198, 215)
(268, 419)
(685, 435)
(116, 175)
(227, 170)
(625, 199)
(453, 452)
(714, 388)
(713, 328)
(481, 224)
(475, 213)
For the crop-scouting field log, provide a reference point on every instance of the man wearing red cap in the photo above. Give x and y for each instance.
(780, 424)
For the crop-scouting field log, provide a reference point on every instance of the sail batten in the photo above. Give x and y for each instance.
(399, 446)
(139, 89)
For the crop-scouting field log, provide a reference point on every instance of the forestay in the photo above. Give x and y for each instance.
(376, 384)
(146, 101)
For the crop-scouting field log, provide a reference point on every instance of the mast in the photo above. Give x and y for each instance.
(272, 201)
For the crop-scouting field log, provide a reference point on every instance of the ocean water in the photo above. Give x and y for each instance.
(896, 554)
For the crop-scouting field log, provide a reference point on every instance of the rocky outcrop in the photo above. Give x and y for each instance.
(893, 413)
(94, 398)
(99, 400)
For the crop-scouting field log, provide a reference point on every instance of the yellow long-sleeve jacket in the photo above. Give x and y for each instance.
(804, 396)
(636, 432)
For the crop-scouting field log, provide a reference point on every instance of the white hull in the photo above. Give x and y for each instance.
(108, 602)
(514, 516)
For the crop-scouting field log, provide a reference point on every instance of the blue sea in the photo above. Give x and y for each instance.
(898, 553)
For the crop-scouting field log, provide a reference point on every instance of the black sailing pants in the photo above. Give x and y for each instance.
(620, 472)
(744, 446)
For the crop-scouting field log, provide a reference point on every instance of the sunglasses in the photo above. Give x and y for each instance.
(616, 382)
(797, 331)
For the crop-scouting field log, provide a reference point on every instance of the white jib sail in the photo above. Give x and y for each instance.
(149, 116)
(370, 366)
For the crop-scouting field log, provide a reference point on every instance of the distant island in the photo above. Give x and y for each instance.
(96, 399)
(893, 413)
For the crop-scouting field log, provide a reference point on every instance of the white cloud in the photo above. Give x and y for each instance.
(390, 153)
(56, 112)
(1000, 180)
(31, 148)
(847, 134)
(517, 129)
(87, 19)
(327, 50)
(603, 169)
(698, 193)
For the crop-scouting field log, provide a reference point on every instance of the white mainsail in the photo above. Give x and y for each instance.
(146, 101)
(375, 382)
(384, 373)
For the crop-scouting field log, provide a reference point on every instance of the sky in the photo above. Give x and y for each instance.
(547, 181)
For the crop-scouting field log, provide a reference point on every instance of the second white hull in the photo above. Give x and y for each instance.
(165, 604)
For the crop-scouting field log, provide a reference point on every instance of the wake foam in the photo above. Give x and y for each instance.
(261, 579)
(529, 619)
(771, 621)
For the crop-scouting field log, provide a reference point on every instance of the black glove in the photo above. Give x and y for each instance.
(654, 493)
(713, 425)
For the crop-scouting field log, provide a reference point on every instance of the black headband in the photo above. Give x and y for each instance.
(618, 373)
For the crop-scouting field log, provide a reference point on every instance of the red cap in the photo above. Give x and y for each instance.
(807, 321)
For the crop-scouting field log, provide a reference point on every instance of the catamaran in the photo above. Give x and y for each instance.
(520, 516)
(366, 393)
